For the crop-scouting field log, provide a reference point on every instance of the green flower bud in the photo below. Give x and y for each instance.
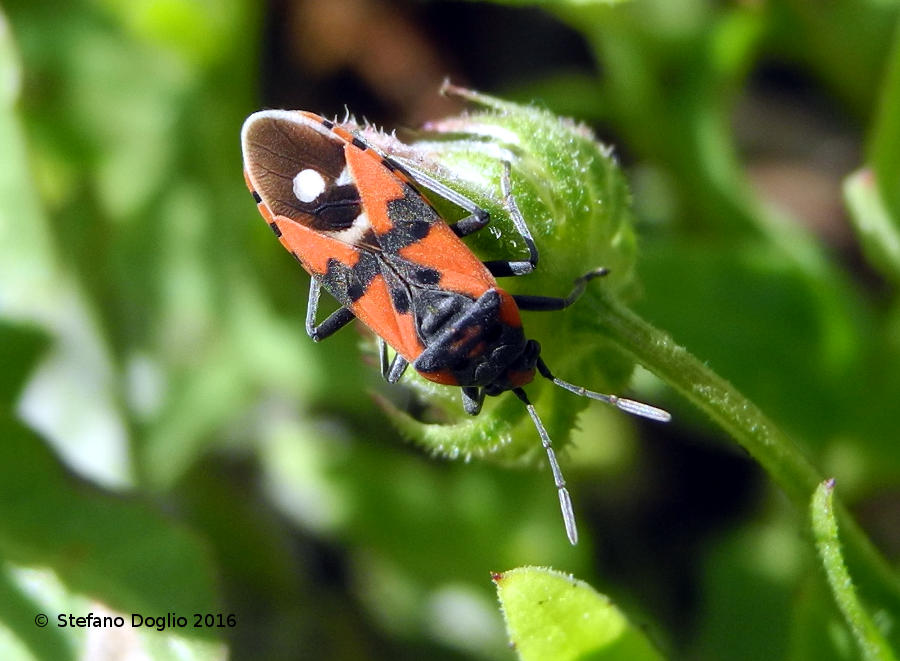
(575, 201)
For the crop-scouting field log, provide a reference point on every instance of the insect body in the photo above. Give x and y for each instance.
(358, 223)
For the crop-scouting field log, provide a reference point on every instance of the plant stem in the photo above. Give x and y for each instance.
(776, 453)
(825, 530)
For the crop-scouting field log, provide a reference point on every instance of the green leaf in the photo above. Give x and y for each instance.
(10, 68)
(20, 347)
(29, 284)
(172, 24)
(17, 612)
(116, 549)
(878, 235)
(871, 643)
(551, 616)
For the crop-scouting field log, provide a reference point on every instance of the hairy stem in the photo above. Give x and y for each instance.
(776, 453)
(825, 531)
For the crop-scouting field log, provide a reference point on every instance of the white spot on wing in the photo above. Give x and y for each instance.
(308, 185)
(354, 234)
(345, 177)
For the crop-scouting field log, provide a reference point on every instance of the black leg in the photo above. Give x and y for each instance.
(470, 224)
(505, 269)
(336, 321)
(502, 269)
(546, 303)
(477, 218)
(394, 370)
(473, 398)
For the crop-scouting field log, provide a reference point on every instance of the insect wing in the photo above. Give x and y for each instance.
(296, 165)
(345, 212)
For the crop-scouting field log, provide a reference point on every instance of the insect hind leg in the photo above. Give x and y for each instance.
(477, 219)
(473, 399)
(507, 268)
(333, 323)
(393, 370)
(548, 303)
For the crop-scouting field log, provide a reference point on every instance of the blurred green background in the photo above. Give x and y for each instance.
(171, 441)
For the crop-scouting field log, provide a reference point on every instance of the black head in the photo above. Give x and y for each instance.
(518, 372)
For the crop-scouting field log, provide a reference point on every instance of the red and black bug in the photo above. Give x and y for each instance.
(358, 223)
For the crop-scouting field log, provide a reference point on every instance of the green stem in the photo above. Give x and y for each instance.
(825, 530)
(775, 452)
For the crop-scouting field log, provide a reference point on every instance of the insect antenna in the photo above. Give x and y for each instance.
(627, 405)
(565, 502)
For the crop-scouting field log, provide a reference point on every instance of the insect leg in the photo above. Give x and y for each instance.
(473, 398)
(546, 303)
(393, 371)
(336, 321)
(565, 502)
(505, 268)
(477, 218)
(470, 224)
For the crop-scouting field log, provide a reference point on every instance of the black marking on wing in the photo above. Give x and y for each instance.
(400, 299)
(412, 218)
(426, 276)
(348, 284)
(335, 209)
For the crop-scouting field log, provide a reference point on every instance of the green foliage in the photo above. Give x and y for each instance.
(120, 551)
(171, 441)
(554, 617)
(879, 237)
(825, 529)
(884, 138)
